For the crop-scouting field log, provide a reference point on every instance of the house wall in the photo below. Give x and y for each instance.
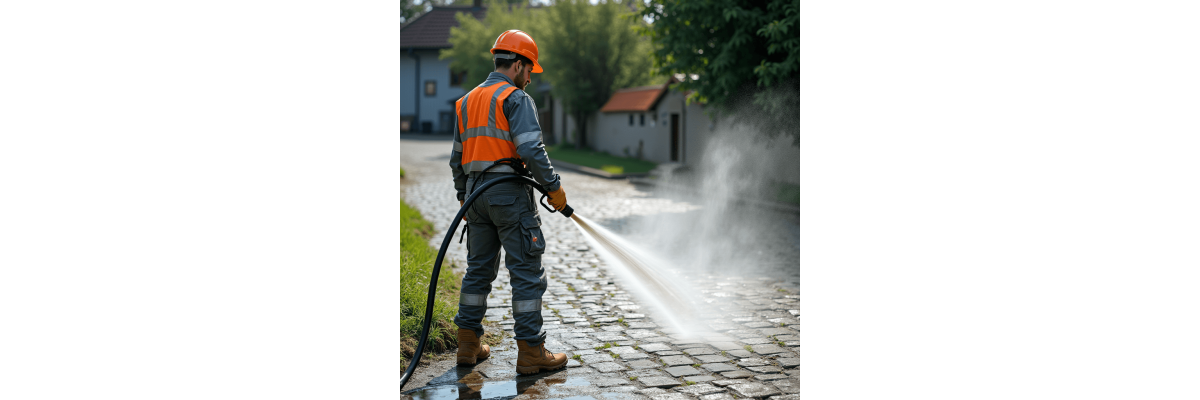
(411, 85)
(612, 132)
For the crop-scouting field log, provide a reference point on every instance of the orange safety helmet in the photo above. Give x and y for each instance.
(518, 42)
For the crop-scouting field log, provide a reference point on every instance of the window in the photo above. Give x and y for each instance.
(430, 88)
(630, 119)
(457, 77)
(642, 120)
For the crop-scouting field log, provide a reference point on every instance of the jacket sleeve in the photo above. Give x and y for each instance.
(456, 168)
(527, 135)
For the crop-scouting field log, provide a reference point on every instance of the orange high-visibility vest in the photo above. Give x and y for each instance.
(483, 128)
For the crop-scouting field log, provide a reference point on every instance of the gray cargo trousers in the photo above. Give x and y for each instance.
(505, 216)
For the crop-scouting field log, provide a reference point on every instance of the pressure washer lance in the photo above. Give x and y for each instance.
(437, 264)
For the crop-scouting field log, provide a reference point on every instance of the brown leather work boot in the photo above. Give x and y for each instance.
(470, 350)
(534, 359)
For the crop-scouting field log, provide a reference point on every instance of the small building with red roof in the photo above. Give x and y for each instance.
(652, 123)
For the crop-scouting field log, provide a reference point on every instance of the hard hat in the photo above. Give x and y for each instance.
(520, 43)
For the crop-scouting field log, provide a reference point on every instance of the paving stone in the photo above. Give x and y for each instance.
(717, 396)
(642, 373)
(642, 325)
(790, 362)
(713, 358)
(768, 349)
(571, 363)
(787, 337)
(640, 333)
(790, 385)
(623, 350)
(740, 354)
(785, 397)
(726, 346)
(795, 343)
(699, 389)
(754, 389)
(694, 345)
(757, 324)
(607, 382)
(597, 358)
(771, 377)
(670, 396)
(753, 341)
(608, 367)
(672, 361)
(737, 374)
(767, 369)
(700, 351)
(634, 356)
(653, 391)
(752, 362)
(777, 331)
(668, 353)
(643, 364)
(718, 367)
(658, 382)
(682, 371)
(653, 347)
(727, 382)
(699, 378)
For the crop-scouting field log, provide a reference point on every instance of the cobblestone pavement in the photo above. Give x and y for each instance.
(748, 348)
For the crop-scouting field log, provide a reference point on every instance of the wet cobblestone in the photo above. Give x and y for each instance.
(748, 349)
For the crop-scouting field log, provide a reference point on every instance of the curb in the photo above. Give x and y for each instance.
(781, 207)
(593, 171)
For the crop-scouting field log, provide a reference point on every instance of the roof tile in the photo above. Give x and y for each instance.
(638, 99)
(432, 29)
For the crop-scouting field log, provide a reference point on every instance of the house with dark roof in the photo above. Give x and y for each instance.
(652, 123)
(428, 88)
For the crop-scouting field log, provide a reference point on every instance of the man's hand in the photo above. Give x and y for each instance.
(460, 203)
(558, 198)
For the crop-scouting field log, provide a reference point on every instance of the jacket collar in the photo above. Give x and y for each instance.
(496, 76)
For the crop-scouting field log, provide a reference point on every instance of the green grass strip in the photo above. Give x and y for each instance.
(416, 266)
(599, 160)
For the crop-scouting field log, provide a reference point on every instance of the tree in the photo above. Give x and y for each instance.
(744, 55)
(588, 52)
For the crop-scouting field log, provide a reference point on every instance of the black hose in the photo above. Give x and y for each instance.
(437, 264)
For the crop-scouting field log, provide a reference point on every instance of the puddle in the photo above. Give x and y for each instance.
(471, 386)
(488, 390)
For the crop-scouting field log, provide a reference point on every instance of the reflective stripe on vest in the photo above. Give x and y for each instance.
(483, 128)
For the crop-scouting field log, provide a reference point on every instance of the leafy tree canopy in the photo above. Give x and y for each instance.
(590, 51)
(745, 55)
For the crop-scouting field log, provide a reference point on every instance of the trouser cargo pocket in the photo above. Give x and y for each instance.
(532, 228)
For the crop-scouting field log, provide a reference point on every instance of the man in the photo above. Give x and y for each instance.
(498, 121)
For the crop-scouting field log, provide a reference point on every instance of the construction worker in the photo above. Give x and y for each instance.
(498, 134)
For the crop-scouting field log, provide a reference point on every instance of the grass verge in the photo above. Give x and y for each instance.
(599, 160)
(416, 266)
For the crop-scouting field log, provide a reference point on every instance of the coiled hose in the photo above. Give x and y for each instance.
(437, 264)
